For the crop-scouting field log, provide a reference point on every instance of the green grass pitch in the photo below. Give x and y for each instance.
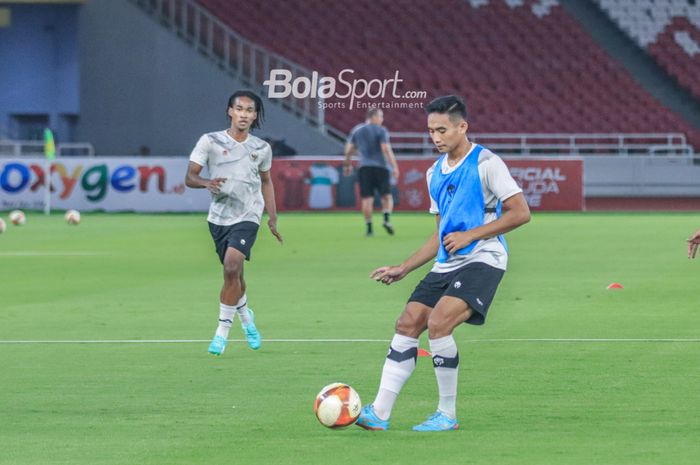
(521, 400)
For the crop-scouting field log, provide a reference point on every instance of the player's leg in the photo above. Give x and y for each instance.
(232, 289)
(398, 366)
(247, 317)
(384, 186)
(367, 213)
(364, 177)
(242, 239)
(242, 309)
(466, 300)
(229, 297)
(234, 244)
(447, 315)
(401, 359)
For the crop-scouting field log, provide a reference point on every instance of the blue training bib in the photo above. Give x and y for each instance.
(460, 200)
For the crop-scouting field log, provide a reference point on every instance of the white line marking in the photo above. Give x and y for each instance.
(51, 254)
(186, 341)
(588, 340)
(178, 341)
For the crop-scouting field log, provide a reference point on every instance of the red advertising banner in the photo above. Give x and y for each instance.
(304, 183)
(553, 184)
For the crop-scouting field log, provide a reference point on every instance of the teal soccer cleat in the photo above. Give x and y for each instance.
(251, 332)
(438, 421)
(369, 420)
(217, 346)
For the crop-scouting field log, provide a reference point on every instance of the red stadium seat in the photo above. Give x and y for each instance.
(665, 32)
(528, 73)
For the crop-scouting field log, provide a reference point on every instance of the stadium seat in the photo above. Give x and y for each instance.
(668, 29)
(522, 65)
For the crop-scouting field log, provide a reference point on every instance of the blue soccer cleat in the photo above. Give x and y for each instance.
(217, 346)
(251, 332)
(438, 421)
(369, 420)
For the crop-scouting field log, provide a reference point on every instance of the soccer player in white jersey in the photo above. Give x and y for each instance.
(468, 184)
(240, 184)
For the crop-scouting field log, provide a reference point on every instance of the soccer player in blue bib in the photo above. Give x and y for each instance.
(469, 188)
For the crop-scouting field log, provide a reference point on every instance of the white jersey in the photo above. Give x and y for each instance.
(323, 177)
(496, 184)
(240, 163)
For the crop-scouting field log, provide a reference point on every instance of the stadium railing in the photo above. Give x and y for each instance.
(241, 58)
(33, 148)
(655, 144)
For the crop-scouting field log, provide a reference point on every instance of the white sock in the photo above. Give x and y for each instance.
(446, 363)
(226, 313)
(242, 310)
(399, 364)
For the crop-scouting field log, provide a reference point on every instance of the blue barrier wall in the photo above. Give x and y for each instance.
(39, 71)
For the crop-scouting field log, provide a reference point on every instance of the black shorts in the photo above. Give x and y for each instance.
(373, 178)
(240, 236)
(475, 283)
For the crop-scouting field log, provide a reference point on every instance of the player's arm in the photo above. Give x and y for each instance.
(195, 181)
(390, 158)
(390, 274)
(515, 213)
(350, 150)
(693, 242)
(268, 193)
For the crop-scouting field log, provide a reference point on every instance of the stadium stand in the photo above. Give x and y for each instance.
(669, 30)
(525, 66)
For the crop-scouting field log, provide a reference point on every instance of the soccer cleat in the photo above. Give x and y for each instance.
(438, 421)
(369, 420)
(389, 228)
(251, 332)
(217, 346)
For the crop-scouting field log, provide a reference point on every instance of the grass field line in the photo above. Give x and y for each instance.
(323, 340)
(32, 253)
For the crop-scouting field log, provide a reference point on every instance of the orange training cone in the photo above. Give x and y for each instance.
(423, 353)
(615, 286)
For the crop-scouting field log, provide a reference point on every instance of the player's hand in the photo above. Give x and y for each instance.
(214, 185)
(456, 241)
(347, 169)
(396, 173)
(388, 274)
(273, 229)
(693, 242)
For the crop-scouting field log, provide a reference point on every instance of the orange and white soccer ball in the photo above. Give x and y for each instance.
(17, 217)
(72, 217)
(337, 405)
(3, 226)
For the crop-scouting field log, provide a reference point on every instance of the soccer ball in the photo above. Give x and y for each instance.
(337, 405)
(17, 217)
(3, 226)
(72, 217)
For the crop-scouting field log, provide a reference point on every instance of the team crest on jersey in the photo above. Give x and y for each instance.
(254, 156)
